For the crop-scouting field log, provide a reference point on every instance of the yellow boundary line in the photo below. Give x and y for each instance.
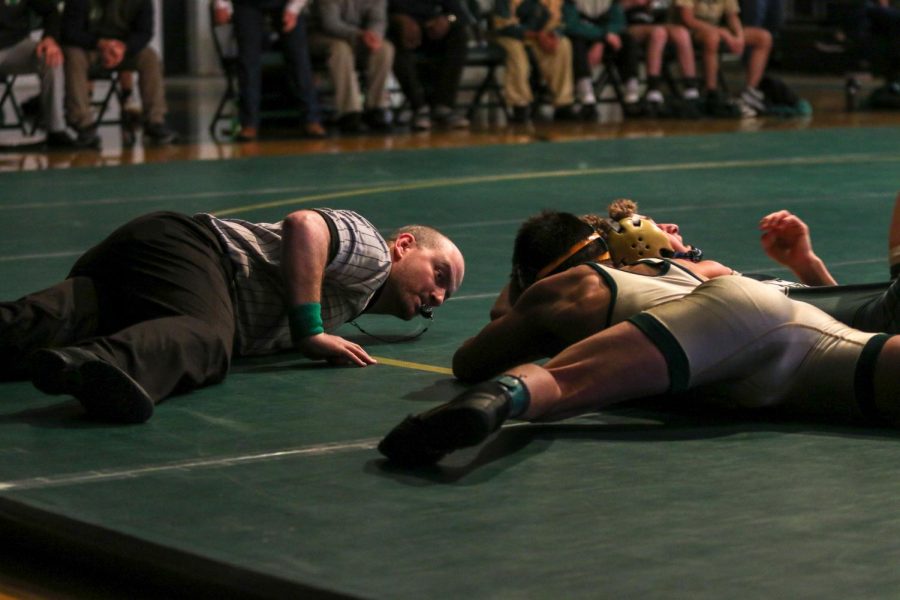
(404, 364)
(462, 181)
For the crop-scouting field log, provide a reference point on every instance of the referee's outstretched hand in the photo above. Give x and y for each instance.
(335, 350)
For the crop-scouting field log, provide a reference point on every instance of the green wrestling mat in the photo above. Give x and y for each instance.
(269, 484)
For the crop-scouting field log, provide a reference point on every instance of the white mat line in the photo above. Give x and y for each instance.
(117, 474)
(190, 196)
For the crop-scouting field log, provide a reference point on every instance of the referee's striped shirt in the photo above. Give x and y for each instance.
(359, 263)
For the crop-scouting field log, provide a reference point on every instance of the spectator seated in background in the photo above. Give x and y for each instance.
(250, 27)
(649, 27)
(715, 24)
(114, 35)
(19, 54)
(589, 23)
(438, 30)
(347, 32)
(535, 25)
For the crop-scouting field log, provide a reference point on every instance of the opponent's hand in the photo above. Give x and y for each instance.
(786, 238)
(335, 349)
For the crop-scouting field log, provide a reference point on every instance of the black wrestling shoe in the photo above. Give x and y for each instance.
(467, 420)
(106, 392)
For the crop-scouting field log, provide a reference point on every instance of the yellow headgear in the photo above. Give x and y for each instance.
(637, 237)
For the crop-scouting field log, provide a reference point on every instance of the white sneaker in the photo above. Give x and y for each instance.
(754, 99)
(584, 91)
(632, 91)
(655, 97)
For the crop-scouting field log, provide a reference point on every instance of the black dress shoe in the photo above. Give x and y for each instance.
(589, 112)
(87, 138)
(520, 114)
(377, 119)
(351, 123)
(160, 133)
(106, 392)
(467, 420)
(565, 113)
(60, 139)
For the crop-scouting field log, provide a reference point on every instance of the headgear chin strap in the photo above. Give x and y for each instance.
(694, 254)
(578, 246)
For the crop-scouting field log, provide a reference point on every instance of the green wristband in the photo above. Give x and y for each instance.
(305, 320)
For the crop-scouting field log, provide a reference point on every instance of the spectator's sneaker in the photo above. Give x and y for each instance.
(106, 392)
(632, 91)
(655, 104)
(467, 420)
(421, 120)
(60, 139)
(445, 116)
(87, 138)
(754, 99)
(378, 119)
(160, 133)
(351, 123)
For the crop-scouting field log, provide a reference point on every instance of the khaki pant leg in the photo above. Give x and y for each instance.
(516, 88)
(378, 71)
(150, 79)
(78, 95)
(556, 69)
(342, 70)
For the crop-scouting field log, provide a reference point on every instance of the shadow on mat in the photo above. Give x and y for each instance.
(66, 414)
(522, 440)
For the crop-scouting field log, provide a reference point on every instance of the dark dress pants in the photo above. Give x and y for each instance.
(446, 59)
(154, 299)
(250, 31)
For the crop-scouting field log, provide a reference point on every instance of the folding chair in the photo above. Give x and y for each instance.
(7, 83)
(609, 76)
(113, 91)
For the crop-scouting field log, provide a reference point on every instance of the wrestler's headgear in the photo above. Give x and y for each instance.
(636, 237)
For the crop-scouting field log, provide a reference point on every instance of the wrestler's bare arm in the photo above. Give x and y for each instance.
(550, 315)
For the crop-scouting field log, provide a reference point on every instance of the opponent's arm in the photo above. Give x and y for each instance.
(787, 241)
(305, 242)
(521, 335)
(501, 304)
(550, 315)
